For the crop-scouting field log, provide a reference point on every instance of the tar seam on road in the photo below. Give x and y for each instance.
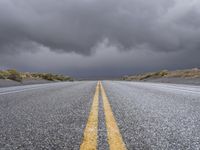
(115, 139)
(91, 130)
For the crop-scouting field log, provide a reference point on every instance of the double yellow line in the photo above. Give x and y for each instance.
(90, 138)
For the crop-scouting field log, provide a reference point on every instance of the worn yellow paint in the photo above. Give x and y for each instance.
(91, 130)
(115, 140)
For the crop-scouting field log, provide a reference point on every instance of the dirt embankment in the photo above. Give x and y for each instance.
(13, 77)
(187, 76)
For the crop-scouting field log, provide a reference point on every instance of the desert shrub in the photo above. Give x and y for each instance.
(145, 77)
(51, 77)
(4, 74)
(48, 76)
(14, 75)
(124, 77)
(163, 73)
(63, 78)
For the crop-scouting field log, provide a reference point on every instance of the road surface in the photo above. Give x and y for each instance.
(100, 115)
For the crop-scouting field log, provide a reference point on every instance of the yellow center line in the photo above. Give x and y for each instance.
(115, 140)
(91, 130)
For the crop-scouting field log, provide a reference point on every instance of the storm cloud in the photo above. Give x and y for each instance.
(80, 27)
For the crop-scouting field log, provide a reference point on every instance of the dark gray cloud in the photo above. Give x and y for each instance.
(79, 25)
(99, 36)
(108, 61)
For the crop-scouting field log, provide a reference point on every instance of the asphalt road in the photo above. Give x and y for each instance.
(55, 115)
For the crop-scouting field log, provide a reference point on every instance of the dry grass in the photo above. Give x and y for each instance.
(189, 73)
(12, 74)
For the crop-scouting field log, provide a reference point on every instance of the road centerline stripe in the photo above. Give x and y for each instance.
(115, 139)
(91, 130)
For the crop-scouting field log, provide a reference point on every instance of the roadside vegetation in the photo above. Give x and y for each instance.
(188, 73)
(14, 75)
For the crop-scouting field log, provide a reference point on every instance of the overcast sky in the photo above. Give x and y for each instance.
(99, 38)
